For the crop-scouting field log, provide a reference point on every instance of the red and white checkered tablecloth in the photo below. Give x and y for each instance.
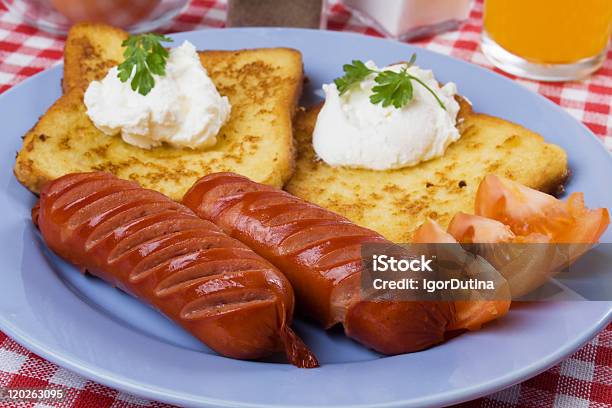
(582, 380)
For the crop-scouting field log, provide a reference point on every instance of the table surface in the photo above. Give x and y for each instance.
(582, 380)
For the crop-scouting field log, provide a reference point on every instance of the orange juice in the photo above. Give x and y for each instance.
(550, 31)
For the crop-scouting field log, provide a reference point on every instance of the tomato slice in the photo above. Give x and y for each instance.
(473, 314)
(527, 211)
(536, 217)
(524, 267)
(468, 228)
(509, 212)
(430, 232)
(469, 314)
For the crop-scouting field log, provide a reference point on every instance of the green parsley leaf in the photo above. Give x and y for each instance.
(353, 74)
(411, 61)
(394, 88)
(429, 89)
(144, 56)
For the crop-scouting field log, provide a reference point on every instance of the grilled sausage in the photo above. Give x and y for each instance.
(159, 251)
(320, 253)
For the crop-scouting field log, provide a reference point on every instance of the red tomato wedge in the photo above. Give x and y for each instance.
(472, 314)
(430, 232)
(528, 211)
(509, 212)
(469, 314)
(467, 228)
(525, 262)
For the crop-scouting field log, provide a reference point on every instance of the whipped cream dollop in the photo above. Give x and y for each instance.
(184, 108)
(351, 131)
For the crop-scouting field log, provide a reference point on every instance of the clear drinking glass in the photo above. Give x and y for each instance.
(547, 40)
(56, 16)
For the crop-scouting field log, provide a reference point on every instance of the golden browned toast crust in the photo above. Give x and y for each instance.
(91, 49)
(263, 86)
(396, 202)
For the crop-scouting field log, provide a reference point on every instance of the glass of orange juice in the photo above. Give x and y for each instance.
(547, 40)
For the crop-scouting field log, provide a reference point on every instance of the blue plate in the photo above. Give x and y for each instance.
(86, 326)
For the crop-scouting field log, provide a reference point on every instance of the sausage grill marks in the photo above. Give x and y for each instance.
(320, 253)
(139, 240)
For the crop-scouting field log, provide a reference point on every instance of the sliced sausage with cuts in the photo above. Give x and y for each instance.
(159, 251)
(320, 253)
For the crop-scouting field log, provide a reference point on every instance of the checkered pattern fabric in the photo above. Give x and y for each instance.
(582, 380)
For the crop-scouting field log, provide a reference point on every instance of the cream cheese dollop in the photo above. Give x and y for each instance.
(184, 108)
(351, 131)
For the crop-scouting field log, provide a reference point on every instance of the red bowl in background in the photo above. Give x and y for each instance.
(136, 16)
(119, 13)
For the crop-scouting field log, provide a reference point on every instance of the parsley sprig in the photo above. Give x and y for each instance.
(144, 56)
(354, 73)
(393, 88)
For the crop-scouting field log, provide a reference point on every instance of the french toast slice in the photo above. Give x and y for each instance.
(91, 49)
(263, 86)
(396, 202)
